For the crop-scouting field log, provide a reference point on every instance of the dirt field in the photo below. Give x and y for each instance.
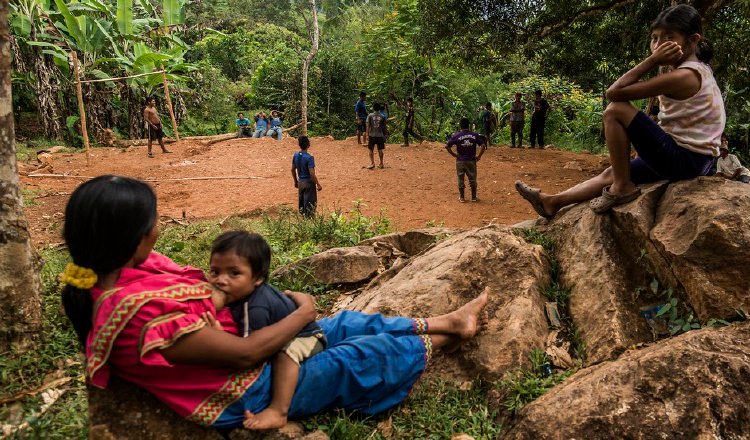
(418, 184)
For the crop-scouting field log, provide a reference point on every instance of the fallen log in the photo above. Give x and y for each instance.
(124, 143)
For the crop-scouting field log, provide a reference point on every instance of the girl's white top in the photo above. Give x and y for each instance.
(695, 123)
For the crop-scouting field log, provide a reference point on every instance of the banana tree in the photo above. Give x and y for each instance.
(27, 24)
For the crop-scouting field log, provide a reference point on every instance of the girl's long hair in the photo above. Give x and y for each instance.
(686, 20)
(105, 220)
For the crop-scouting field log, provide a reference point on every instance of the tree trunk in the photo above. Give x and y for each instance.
(98, 109)
(20, 286)
(135, 112)
(314, 34)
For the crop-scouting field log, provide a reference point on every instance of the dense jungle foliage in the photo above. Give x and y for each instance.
(452, 56)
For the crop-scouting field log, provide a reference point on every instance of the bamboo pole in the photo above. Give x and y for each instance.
(81, 109)
(169, 104)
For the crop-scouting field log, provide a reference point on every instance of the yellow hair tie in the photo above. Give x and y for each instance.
(79, 277)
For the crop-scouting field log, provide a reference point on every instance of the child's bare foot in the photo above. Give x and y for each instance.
(467, 317)
(269, 418)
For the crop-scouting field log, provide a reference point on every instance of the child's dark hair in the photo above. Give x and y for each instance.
(538, 92)
(377, 106)
(410, 99)
(248, 245)
(303, 142)
(106, 219)
(464, 124)
(686, 20)
(488, 105)
(362, 94)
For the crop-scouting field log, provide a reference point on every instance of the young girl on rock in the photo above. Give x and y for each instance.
(687, 136)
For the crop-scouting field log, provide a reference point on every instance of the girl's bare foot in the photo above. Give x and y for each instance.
(269, 418)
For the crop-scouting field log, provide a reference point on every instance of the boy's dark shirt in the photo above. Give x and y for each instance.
(486, 115)
(266, 306)
(540, 108)
(466, 143)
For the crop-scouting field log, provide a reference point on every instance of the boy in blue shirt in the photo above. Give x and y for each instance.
(277, 118)
(243, 126)
(360, 116)
(305, 180)
(239, 267)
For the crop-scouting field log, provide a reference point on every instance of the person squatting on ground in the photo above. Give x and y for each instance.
(239, 267)
(691, 120)
(729, 166)
(466, 143)
(153, 121)
(517, 120)
(538, 119)
(360, 117)
(243, 126)
(409, 123)
(489, 123)
(275, 121)
(140, 316)
(261, 125)
(377, 132)
(305, 179)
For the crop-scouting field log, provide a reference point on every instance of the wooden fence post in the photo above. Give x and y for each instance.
(81, 110)
(169, 104)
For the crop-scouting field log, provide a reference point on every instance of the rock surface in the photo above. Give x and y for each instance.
(335, 266)
(457, 270)
(702, 230)
(692, 386)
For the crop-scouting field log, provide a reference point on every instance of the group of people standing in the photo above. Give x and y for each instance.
(517, 118)
(264, 125)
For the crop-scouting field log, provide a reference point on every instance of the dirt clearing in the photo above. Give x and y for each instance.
(417, 186)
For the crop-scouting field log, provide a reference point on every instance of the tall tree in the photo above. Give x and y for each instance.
(20, 286)
(314, 31)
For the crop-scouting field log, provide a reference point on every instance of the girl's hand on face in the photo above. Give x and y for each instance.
(668, 53)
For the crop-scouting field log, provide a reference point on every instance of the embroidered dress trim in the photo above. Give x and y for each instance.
(427, 342)
(208, 411)
(124, 311)
(144, 347)
(420, 326)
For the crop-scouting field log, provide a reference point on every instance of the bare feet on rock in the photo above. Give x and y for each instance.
(269, 418)
(467, 317)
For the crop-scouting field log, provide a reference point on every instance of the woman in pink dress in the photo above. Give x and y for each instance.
(143, 317)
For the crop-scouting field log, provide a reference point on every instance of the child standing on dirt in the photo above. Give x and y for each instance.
(409, 123)
(360, 116)
(466, 143)
(154, 125)
(239, 268)
(377, 132)
(305, 179)
(685, 140)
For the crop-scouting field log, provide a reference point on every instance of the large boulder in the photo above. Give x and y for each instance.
(456, 270)
(702, 231)
(692, 386)
(334, 266)
(598, 260)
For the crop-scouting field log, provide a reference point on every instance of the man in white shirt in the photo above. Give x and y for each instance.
(729, 166)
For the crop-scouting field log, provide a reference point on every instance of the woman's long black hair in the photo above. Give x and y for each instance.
(686, 20)
(105, 220)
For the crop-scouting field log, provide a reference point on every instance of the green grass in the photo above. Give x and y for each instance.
(436, 409)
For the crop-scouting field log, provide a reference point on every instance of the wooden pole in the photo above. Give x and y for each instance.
(81, 109)
(169, 104)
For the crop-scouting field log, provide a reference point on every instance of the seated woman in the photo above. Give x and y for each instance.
(277, 118)
(144, 318)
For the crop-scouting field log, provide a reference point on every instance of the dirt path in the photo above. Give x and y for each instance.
(417, 186)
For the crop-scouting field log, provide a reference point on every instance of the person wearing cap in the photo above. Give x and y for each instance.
(729, 165)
